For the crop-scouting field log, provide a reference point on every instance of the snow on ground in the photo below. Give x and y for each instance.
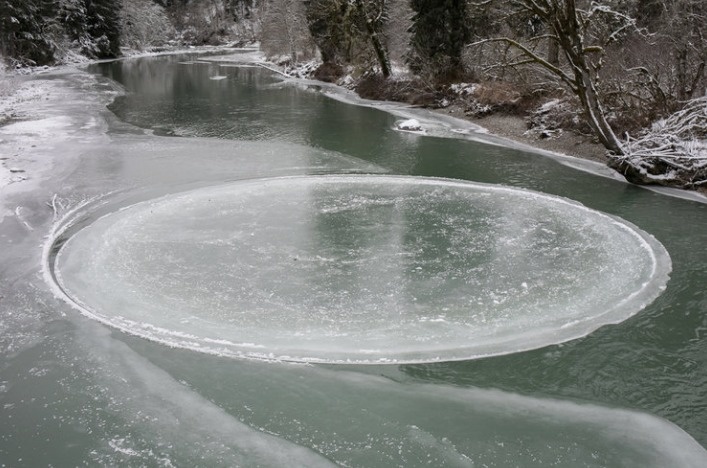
(463, 89)
(238, 56)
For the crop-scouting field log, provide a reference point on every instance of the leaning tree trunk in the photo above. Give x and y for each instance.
(595, 112)
(375, 40)
(378, 47)
(570, 33)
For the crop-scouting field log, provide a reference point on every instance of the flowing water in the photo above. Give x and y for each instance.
(218, 221)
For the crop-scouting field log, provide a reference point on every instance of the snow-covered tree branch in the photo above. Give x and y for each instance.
(581, 34)
(673, 152)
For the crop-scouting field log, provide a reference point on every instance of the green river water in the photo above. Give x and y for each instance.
(76, 392)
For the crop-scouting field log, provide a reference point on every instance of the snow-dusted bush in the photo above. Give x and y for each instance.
(672, 152)
(555, 115)
(494, 96)
(302, 69)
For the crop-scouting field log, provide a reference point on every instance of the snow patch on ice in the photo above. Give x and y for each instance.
(39, 115)
(239, 56)
(42, 128)
(409, 125)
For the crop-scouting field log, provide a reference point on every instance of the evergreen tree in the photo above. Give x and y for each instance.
(331, 23)
(72, 15)
(439, 33)
(22, 32)
(349, 31)
(103, 28)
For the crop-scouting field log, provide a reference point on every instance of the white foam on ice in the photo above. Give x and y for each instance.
(359, 269)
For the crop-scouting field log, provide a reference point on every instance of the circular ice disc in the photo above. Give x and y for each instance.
(362, 269)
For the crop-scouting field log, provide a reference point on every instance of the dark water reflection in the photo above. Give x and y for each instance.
(655, 361)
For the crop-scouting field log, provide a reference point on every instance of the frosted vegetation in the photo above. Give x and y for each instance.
(673, 149)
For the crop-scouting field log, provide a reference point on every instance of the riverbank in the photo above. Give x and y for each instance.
(566, 143)
(18, 91)
(13, 97)
(515, 128)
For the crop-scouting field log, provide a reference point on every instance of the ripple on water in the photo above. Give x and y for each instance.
(363, 269)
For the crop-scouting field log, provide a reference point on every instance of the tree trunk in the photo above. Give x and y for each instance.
(378, 47)
(375, 40)
(593, 109)
(289, 31)
(553, 52)
(569, 31)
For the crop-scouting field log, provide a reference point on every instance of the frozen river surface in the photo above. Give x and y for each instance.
(358, 269)
(248, 217)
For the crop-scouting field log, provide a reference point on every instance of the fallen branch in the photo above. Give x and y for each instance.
(673, 152)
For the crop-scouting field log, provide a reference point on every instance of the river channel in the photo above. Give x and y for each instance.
(223, 267)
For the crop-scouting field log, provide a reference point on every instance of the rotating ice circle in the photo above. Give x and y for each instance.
(362, 269)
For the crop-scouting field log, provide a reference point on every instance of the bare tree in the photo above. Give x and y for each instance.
(284, 30)
(684, 24)
(581, 31)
